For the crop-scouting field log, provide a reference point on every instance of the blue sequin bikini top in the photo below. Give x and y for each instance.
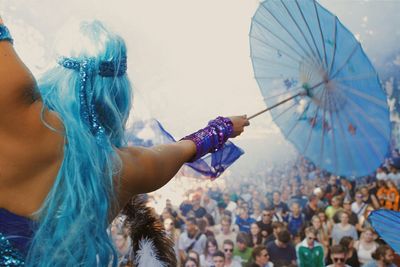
(15, 235)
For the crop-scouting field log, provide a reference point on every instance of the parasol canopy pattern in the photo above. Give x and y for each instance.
(386, 224)
(337, 115)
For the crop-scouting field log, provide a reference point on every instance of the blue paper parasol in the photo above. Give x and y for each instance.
(387, 224)
(331, 105)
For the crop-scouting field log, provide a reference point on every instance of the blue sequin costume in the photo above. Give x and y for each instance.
(15, 235)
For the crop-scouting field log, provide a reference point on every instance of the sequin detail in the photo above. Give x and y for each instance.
(110, 69)
(212, 138)
(88, 111)
(9, 257)
(87, 69)
(106, 68)
(5, 34)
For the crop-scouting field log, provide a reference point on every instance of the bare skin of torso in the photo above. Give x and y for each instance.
(31, 153)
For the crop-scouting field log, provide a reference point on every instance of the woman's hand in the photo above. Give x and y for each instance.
(239, 122)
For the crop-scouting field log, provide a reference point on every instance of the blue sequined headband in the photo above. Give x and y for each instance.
(86, 67)
(106, 68)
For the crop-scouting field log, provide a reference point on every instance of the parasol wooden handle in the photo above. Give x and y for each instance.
(274, 106)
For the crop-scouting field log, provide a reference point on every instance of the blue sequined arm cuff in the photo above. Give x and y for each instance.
(5, 34)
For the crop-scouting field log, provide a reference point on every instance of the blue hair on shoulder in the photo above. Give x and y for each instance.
(73, 220)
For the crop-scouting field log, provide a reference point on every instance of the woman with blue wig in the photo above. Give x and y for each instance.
(65, 169)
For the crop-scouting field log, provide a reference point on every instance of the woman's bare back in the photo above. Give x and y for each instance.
(30, 157)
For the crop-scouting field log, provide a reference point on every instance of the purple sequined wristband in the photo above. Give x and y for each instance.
(211, 138)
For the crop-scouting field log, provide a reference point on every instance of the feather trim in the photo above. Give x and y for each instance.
(146, 256)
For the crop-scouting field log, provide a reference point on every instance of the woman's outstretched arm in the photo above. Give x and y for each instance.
(147, 169)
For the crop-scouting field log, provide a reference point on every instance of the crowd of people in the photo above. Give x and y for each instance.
(291, 216)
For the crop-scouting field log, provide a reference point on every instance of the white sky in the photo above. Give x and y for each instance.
(189, 60)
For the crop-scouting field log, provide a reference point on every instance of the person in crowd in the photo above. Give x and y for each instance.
(277, 227)
(285, 195)
(381, 174)
(173, 210)
(322, 202)
(332, 181)
(335, 206)
(194, 255)
(280, 207)
(265, 224)
(210, 220)
(368, 198)
(245, 193)
(190, 262)
(344, 228)
(123, 244)
(228, 246)
(242, 251)
(371, 184)
(299, 196)
(382, 192)
(245, 205)
(204, 227)
(353, 219)
(172, 233)
(392, 196)
(166, 214)
(256, 237)
(218, 259)
(257, 212)
(322, 236)
(351, 256)
(310, 253)
(338, 256)
(266, 201)
(234, 192)
(243, 220)
(333, 189)
(210, 205)
(225, 230)
(222, 212)
(186, 206)
(215, 192)
(394, 174)
(382, 257)
(281, 251)
(358, 206)
(366, 245)
(363, 222)
(326, 224)
(206, 258)
(347, 187)
(311, 208)
(230, 205)
(260, 257)
(197, 210)
(191, 239)
(295, 219)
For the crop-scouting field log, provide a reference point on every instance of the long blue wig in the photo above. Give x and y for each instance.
(73, 220)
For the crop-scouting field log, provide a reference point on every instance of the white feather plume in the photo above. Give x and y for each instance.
(146, 255)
